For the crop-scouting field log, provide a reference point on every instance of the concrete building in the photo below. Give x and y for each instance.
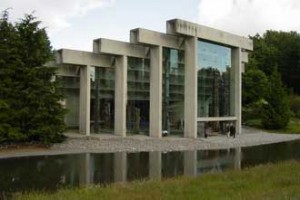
(186, 81)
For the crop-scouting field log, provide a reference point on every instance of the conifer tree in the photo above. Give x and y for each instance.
(276, 113)
(29, 103)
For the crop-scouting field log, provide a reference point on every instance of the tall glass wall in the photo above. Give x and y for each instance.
(138, 96)
(173, 91)
(102, 99)
(215, 81)
(216, 93)
(70, 87)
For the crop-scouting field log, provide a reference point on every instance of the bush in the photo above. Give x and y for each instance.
(253, 110)
(295, 105)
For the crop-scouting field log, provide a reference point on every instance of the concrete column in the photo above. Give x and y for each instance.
(190, 88)
(238, 158)
(156, 92)
(120, 95)
(190, 163)
(85, 92)
(155, 165)
(85, 177)
(120, 167)
(236, 63)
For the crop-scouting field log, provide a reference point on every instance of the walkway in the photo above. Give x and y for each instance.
(98, 143)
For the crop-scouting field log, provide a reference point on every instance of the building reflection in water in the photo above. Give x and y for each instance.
(49, 173)
(126, 167)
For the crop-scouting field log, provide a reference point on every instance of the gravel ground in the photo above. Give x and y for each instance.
(99, 143)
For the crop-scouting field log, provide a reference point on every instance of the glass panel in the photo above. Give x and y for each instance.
(173, 91)
(70, 87)
(138, 102)
(215, 81)
(102, 100)
(211, 128)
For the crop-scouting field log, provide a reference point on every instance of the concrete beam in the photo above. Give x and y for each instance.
(73, 57)
(119, 48)
(182, 27)
(144, 36)
(215, 119)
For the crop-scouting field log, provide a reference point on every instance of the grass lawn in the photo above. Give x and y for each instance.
(292, 128)
(271, 181)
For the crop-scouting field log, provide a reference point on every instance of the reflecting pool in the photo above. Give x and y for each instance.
(52, 172)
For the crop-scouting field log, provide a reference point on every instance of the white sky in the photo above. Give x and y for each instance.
(75, 23)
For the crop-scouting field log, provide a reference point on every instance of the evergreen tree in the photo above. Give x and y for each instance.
(255, 90)
(255, 84)
(29, 105)
(276, 113)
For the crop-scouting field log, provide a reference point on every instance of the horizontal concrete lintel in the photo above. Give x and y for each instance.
(114, 47)
(153, 38)
(74, 57)
(211, 119)
(182, 27)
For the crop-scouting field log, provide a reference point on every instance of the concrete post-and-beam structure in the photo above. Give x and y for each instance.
(121, 51)
(239, 45)
(157, 41)
(182, 27)
(83, 61)
(146, 44)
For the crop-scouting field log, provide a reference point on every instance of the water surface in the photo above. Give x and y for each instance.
(52, 172)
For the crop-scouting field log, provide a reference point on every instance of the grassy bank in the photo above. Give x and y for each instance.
(292, 128)
(272, 181)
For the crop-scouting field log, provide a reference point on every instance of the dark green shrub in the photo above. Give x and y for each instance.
(295, 105)
(276, 113)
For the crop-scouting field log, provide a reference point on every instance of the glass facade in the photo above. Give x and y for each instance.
(102, 100)
(173, 91)
(215, 81)
(70, 87)
(138, 96)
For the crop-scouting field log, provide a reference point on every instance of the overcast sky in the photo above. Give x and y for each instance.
(75, 23)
